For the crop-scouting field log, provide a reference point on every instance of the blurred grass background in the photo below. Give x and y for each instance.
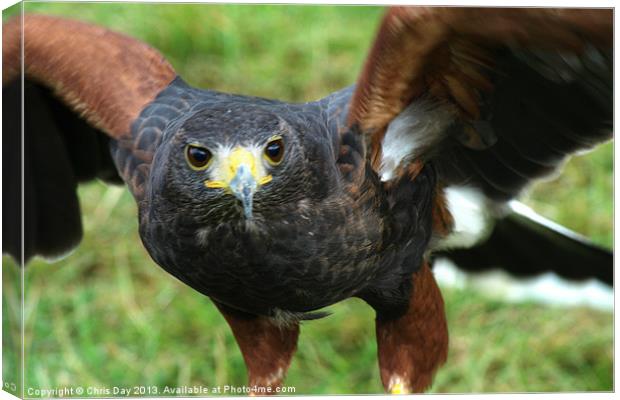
(107, 315)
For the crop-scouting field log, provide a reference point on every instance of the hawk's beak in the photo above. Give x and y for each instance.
(242, 174)
(243, 185)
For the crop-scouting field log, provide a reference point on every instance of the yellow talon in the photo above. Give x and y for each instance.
(398, 388)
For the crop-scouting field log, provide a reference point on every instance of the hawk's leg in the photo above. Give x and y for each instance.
(411, 346)
(267, 348)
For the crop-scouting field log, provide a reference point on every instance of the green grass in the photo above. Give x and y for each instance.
(108, 316)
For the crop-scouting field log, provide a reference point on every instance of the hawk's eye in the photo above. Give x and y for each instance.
(198, 157)
(274, 152)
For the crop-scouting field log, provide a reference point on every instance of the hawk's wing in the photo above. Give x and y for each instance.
(494, 97)
(83, 85)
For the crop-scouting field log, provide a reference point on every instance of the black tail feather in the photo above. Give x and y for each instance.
(524, 244)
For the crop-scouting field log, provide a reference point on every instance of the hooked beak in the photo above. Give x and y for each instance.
(242, 174)
(243, 185)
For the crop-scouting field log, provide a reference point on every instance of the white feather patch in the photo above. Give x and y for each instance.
(473, 217)
(416, 129)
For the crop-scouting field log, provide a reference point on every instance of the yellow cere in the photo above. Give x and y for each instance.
(238, 157)
(228, 169)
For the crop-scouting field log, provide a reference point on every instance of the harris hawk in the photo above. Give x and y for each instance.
(276, 210)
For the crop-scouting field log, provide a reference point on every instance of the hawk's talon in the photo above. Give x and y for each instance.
(399, 388)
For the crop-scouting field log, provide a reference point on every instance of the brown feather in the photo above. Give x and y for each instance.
(267, 348)
(463, 95)
(385, 85)
(443, 222)
(106, 77)
(412, 347)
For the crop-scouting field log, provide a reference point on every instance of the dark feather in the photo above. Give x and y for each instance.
(60, 150)
(538, 121)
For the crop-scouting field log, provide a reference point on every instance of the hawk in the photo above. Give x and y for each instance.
(276, 210)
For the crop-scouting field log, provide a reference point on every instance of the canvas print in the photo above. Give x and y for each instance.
(226, 199)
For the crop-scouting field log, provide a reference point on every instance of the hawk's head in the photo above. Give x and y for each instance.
(234, 159)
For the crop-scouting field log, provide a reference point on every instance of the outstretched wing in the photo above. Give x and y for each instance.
(493, 97)
(83, 86)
